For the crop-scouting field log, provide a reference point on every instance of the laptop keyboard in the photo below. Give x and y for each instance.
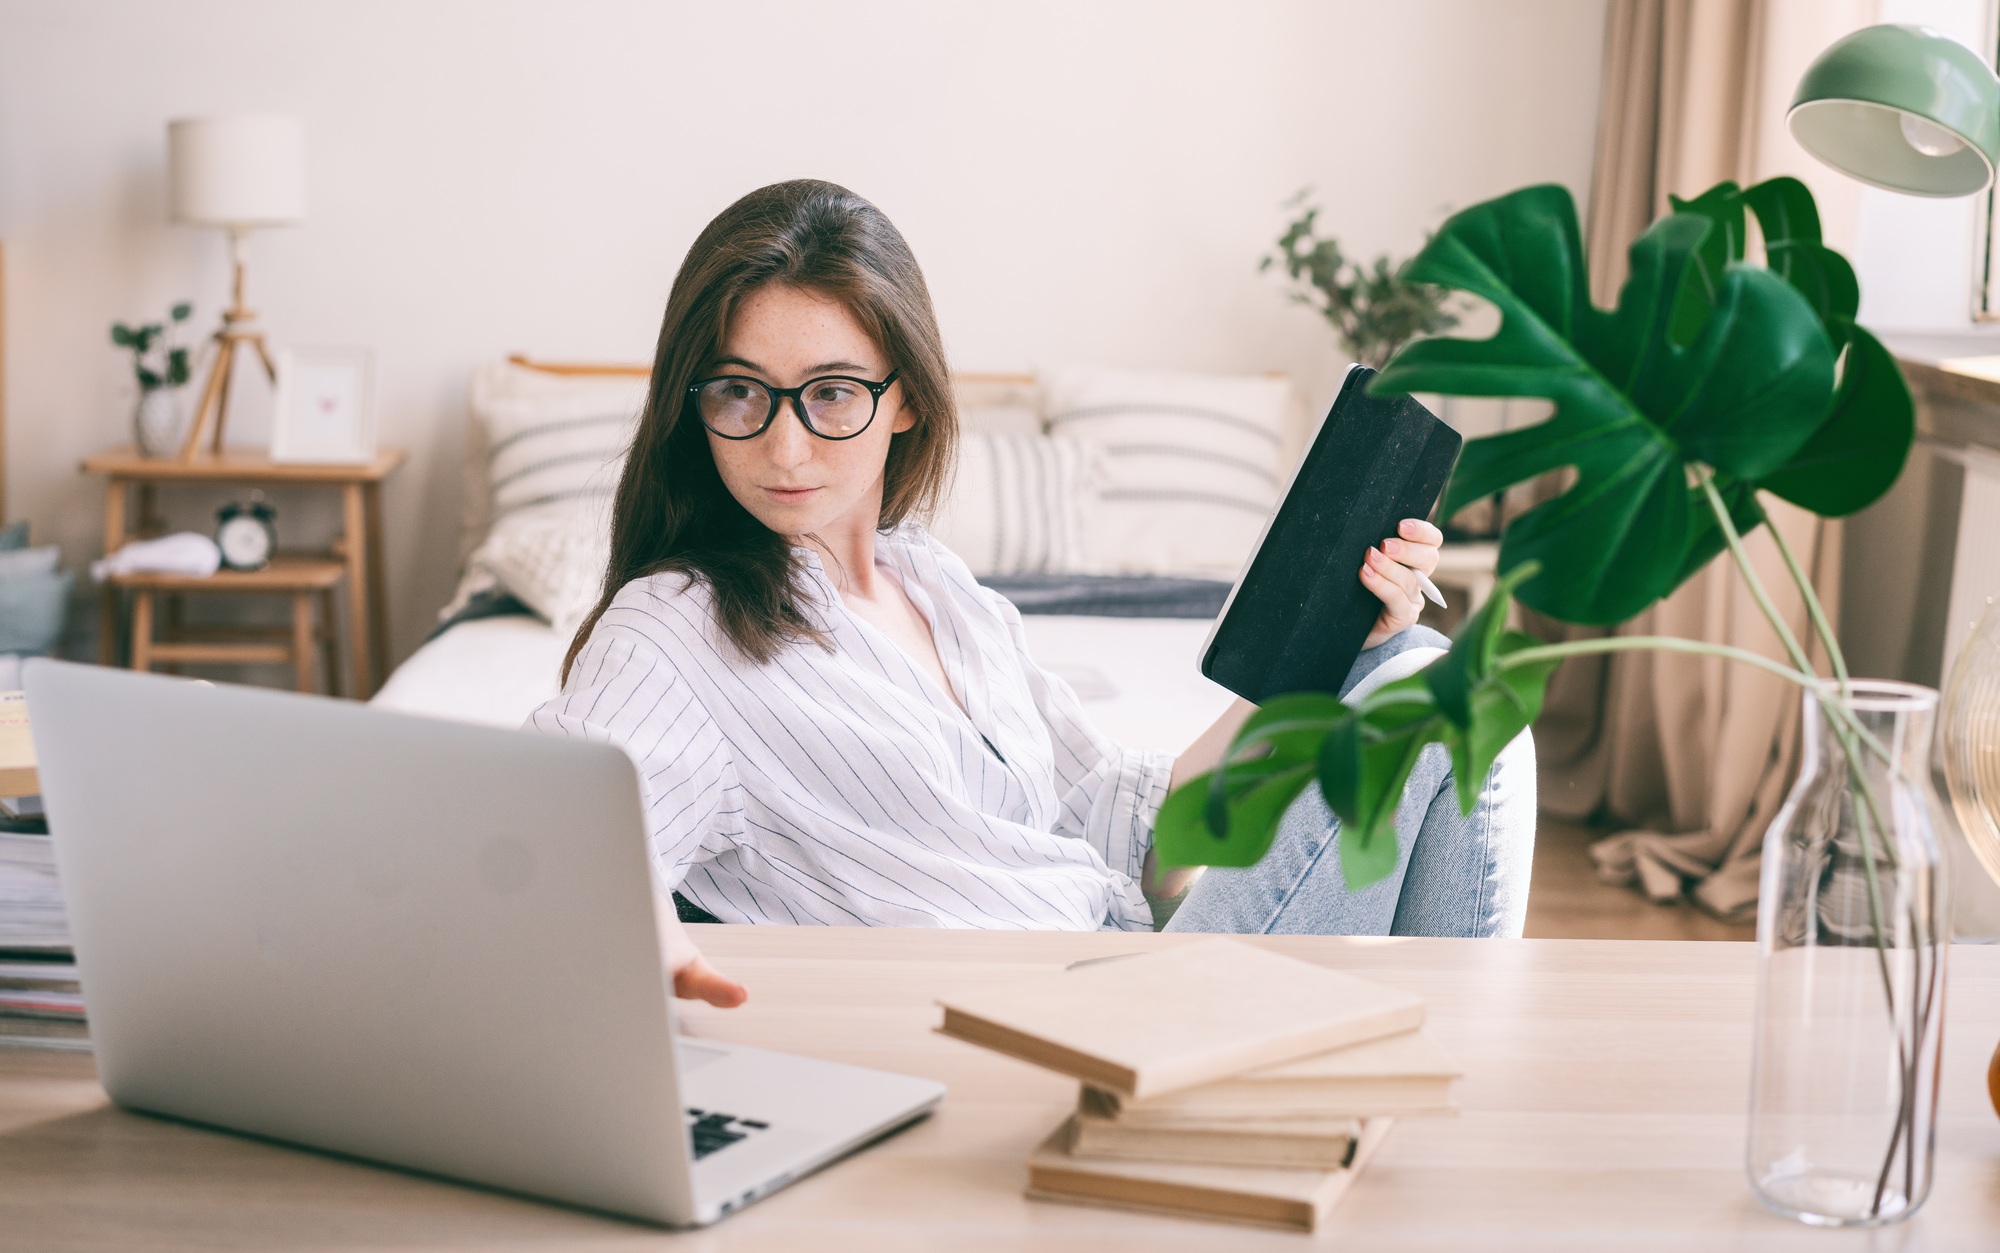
(711, 1131)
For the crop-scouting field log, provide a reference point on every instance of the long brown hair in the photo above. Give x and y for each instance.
(672, 511)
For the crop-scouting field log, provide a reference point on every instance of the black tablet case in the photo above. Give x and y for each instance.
(1299, 614)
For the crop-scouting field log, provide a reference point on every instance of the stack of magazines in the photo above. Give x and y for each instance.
(39, 1001)
(1220, 1080)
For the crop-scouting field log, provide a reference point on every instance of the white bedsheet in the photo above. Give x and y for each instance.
(1137, 676)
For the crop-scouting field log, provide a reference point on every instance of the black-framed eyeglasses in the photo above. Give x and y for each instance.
(833, 406)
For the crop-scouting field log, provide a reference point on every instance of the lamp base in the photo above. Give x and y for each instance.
(215, 393)
(236, 329)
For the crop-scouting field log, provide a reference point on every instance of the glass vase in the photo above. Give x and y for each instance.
(1852, 934)
(159, 422)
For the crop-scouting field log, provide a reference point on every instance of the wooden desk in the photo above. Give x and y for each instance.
(1604, 1110)
(359, 545)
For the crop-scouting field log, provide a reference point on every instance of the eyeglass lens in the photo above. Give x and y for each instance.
(740, 407)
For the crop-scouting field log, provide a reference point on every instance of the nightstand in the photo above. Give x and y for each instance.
(356, 559)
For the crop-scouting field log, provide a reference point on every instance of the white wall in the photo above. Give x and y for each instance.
(1082, 181)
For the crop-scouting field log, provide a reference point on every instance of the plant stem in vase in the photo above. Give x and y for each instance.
(161, 367)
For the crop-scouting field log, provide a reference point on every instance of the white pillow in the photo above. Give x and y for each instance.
(540, 441)
(551, 557)
(551, 437)
(1193, 465)
(1018, 503)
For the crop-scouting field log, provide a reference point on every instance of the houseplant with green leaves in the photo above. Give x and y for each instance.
(161, 367)
(1373, 309)
(1719, 381)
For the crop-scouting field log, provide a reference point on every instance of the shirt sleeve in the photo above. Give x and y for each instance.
(1107, 794)
(623, 690)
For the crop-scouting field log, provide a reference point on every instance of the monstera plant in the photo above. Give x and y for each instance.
(1714, 382)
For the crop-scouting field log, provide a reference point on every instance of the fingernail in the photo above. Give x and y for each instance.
(1408, 526)
(1390, 547)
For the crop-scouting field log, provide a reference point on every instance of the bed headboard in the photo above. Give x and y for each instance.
(976, 389)
(633, 370)
(580, 368)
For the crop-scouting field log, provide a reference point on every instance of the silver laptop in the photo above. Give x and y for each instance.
(422, 943)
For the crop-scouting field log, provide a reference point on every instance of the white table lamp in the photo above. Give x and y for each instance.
(237, 173)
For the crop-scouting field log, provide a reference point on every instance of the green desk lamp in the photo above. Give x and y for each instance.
(1905, 108)
(1909, 109)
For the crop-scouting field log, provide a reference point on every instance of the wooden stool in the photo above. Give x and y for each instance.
(305, 579)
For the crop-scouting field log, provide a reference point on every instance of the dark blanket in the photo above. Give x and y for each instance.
(1112, 595)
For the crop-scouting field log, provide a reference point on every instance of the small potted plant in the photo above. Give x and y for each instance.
(1373, 310)
(161, 367)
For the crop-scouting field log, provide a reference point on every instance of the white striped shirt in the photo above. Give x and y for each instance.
(845, 787)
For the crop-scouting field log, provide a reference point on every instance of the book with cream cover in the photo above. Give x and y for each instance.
(1299, 1199)
(1168, 1020)
(1320, 1143)
(1399, 1074)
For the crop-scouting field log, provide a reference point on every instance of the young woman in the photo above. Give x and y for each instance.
(835, 724)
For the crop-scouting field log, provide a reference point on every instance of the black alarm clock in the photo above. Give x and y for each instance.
(245, 533)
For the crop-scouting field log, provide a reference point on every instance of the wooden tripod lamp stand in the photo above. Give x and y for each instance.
(239, 174)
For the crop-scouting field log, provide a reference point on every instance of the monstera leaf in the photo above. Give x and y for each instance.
(1706, 364)
(1864, 437)
(1470, 700)
(1754, 378)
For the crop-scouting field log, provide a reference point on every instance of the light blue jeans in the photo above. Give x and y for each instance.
(1456, 874)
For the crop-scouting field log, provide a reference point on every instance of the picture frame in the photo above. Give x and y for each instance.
(325, 410)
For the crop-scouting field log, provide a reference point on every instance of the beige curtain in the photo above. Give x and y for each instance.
(1692, 756)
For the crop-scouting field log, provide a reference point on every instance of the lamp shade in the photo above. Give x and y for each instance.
(238, 171)
(1905, 108)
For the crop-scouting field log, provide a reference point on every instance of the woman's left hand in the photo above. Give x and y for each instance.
(1390, 571)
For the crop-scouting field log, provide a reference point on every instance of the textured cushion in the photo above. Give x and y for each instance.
(1192, 465)
(1017, 503)
(551, 557)
(32, 606)
(16, 562)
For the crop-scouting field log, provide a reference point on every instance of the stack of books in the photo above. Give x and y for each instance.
(39, 1001)
(31, 907)
(1218, 1079)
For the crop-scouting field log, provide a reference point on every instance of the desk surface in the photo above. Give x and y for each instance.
(1603, 1109)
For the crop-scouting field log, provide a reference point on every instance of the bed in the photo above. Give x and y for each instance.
(1091, 499)
(1137, 676)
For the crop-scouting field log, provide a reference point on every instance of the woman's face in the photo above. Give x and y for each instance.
(789, 479)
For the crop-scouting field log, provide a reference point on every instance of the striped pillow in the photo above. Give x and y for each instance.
(1017, 503)
(541, 444)
(1193, 465)
(552, 437)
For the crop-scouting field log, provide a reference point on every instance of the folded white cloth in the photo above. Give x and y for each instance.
(184, 552)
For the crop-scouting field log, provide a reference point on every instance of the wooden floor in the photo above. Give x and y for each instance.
(1567, 900)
